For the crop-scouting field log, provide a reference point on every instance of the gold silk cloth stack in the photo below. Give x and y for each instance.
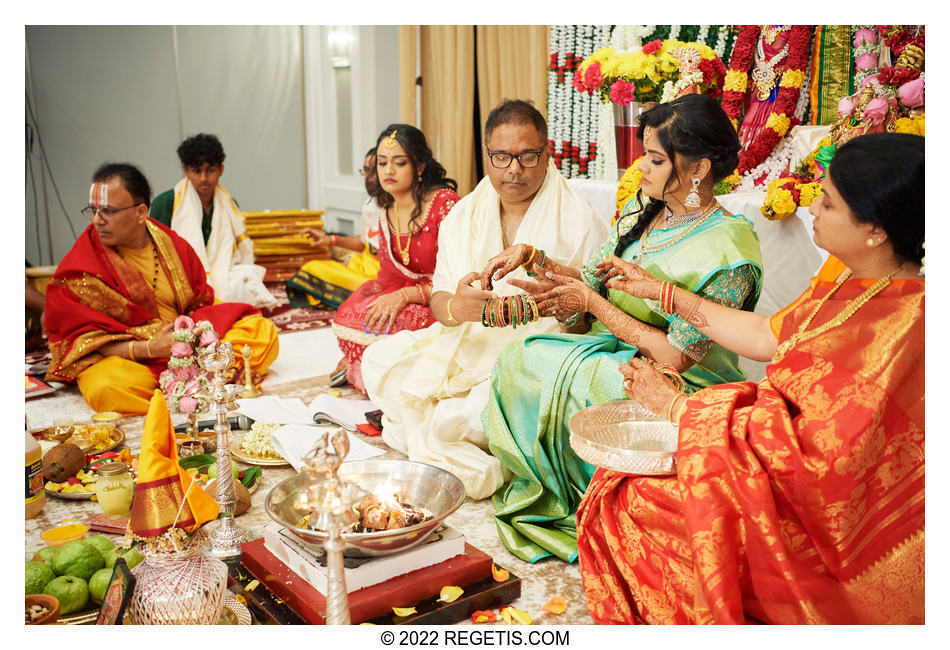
(278, 245)
(162, 495)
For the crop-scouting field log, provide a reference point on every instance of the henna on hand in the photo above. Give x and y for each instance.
(690, 312)
(504, 263)
(648, 386)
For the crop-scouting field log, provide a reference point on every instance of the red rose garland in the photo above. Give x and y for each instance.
(784, 108)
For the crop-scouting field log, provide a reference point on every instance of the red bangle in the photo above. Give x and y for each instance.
(333, 240)
(666, 297)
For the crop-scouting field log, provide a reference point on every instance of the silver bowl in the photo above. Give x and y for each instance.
(423, 486)
(625, 437)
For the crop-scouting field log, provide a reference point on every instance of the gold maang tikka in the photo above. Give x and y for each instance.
(391, 140)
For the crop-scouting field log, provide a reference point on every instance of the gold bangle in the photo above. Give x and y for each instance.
(132, 351)
(448, 310)
(669, 415)
(148, 350)
(533, 251)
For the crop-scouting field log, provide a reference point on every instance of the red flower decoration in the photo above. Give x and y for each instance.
(578, 82)
(593, 78)
(897, 76)
(621, 92)
(652, 47)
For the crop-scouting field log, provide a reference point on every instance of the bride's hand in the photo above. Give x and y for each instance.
(567, 296)
(532, 288)
(504, 263)
(648, 386)
(615, 273)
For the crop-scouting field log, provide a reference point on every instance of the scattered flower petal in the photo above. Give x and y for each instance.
(484, 616)
(509, 613)
(404, 611)
(556, 605)
(449, 594)
(241, 599)
(252, 585)
(500, 575)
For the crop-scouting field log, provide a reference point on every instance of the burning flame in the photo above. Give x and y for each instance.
(386, 494)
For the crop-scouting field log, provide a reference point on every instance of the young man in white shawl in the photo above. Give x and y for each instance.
(432, 384)
(207, 217)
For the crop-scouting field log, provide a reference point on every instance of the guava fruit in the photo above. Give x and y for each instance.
(38, 575)
(131, 556)
(79, 559)
(213, 469)
(98, 584)
(102, 544)
(46, 554)
(72, 593)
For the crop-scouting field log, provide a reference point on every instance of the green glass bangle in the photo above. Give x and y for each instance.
(484, 322)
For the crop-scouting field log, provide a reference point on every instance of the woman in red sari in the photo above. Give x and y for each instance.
(416, 196)
(800, 499)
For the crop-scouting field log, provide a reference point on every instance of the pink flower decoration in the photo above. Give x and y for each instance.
(208, 338)
(875, 111)
(652, 47)
(593, 77)
(865, 35)
(870, 79)
(169, 384)
(845, 106)
(911, 93)
(181, 349)
(184, 323)
(866, 61)
(578, 82)
(184, 374)
(621, 92)
(192, 386)
(187, 404)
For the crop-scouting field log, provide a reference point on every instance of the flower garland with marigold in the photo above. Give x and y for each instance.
(800, 189)
(790, 85)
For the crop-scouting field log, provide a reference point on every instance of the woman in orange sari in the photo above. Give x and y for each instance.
(800, 499)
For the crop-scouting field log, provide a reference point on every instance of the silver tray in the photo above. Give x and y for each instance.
(625, 437)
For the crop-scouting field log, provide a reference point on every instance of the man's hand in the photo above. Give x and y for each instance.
(383, 312)
(318, 237)
(504, 263)
(468, 301)
(648, 386)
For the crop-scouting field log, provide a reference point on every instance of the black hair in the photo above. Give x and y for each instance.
(516, 111)
(432, 176)
(371, 152)
(132, 179)
(881, 178)
(199, 149)
(691, 127)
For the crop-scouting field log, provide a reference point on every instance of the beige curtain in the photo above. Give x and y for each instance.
(447, 55)
(512, 64)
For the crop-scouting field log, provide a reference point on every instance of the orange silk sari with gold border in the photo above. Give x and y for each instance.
(797, 500)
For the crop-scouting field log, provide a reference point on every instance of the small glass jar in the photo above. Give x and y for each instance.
(114, 488)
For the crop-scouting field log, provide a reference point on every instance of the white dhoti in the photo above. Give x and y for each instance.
(432, 384)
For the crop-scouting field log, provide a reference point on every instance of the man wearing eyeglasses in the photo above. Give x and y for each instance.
(432, 384)
(111, 305)
(208, 218)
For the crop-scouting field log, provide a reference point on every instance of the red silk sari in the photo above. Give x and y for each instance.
(393, 275)
(797, 500)
(95, 297)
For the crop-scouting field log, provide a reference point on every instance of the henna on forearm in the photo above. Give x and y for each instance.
(688, 305)
(625, 327)
(555, 268)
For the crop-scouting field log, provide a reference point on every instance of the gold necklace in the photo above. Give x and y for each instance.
(404, 253)
(644, 249)
(801, 335)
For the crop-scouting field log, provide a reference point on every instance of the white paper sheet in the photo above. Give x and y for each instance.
(283, 410)
(294, 441)
(348, 411)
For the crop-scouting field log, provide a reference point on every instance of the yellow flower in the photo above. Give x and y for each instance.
(783, 205)
(914, 126)
(631, 65)
(450, 593)
(810, 192)
(601, 55)
(792, 78)
(736, 80)
(629, 184)
(778, 122)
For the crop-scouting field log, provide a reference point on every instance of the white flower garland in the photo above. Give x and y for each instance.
(703, 34)
(773, 167)
(675, 32)
(720, 48)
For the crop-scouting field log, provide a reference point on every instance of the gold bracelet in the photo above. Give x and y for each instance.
(669, 415)
(132, 351)
(533, 251)
(448, 309)
(148, 350)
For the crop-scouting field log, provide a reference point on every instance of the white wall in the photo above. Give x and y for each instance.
(132, 93)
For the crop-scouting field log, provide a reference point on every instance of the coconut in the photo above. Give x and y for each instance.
(243, 502)
(63, 461)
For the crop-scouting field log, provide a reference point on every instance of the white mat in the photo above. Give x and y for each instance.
(303, 355)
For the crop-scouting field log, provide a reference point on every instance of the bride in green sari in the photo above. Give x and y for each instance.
(682, 236)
